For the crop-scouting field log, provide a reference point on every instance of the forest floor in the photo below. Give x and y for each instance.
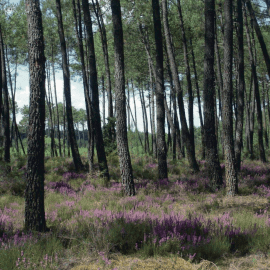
(174, 223)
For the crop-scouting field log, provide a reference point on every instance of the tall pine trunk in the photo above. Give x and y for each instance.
(34, 192)
(105, 54)
(189, 84)
(259, 35)
(230, 168)
(120, 99)
(6, 103)
(161, 143)
(265, 133)
(102, 161)
(186, 136)
(49, 104)
(57, 111)
(199, 99)
(212, 159)
(256, 92)
(66, 75)
(78, 28)
(241, 88)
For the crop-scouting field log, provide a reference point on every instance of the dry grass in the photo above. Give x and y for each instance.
(124, 263)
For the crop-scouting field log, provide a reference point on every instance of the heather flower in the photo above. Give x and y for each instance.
(191, 257)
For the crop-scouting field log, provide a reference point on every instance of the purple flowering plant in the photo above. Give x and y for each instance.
(179, 216)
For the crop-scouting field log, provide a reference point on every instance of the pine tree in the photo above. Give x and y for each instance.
(34, 193)
(208, 97)
(121, 123)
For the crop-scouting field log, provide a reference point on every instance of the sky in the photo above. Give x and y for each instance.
(77, 94)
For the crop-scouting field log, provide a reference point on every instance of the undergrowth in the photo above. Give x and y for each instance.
(177, 217)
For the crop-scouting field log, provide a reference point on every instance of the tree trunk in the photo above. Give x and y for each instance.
(64, 124)
(120, 99)
(173, 121)
(103, 95)
(264, 117)
(220, 85)
(259, 35)
(88, 105)
(185, 132)
(74, 147)
(230, 169)
(161, 143)
(145, 121)
(1, 92)
(145, 40)
(135, 124)
(268, 105)
(105, 53)
(241, 88)
(251, 118)
(102, 161)
(49, 104)
(153, 121)
(57, 111)
(6, 103)
(199, 100)
(14, 133)
(189, 84)
(34, 192)
(257, 93)
(170, 122)
(212, 159)
(128, 103)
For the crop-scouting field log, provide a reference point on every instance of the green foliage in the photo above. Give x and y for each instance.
(124, 235)
(109, 135)
(41, 254)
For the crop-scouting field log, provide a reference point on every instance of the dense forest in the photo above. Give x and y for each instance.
(148, 71)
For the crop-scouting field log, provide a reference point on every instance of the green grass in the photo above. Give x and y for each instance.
(78, 235)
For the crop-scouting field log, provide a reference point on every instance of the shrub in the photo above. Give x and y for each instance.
(109, 135)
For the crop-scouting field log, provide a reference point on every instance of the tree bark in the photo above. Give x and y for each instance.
(14, 133)
(128, 102)
(1, 92)
(66, 75)
(257, 93)
(145, 121)
(220, 84)
(241, 88)
(173, 121)
(199, 100)
(56, 104)
(185, 132)
(120, 99)
(145, 40)
(212, 159)
(135, 124)
(103, 95)
(6, 103)
(230, 169)
(189, 84)
(64, 125)
(259, 35)
(49, 104)
(102, 161)
(265, 133)
(88, 105)
(34, 192)
(161, 143)
(104, 42)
